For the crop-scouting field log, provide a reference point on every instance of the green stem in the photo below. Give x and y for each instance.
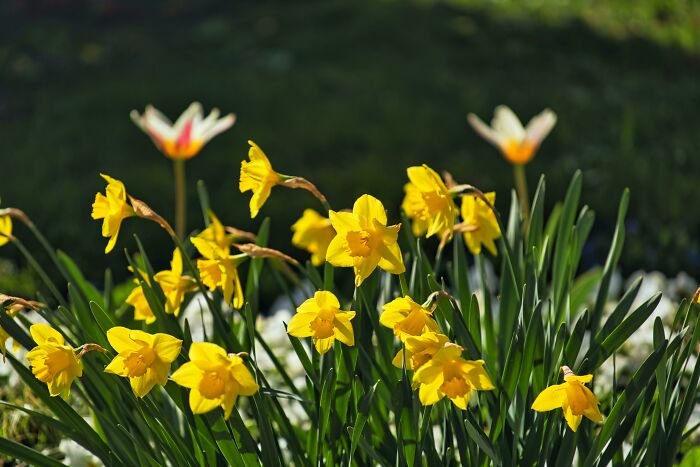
(521, 187)
(180, 198)
(42, 274)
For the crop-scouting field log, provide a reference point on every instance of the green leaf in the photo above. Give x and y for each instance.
(29, 455)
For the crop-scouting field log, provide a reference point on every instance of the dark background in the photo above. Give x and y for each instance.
(348, 94)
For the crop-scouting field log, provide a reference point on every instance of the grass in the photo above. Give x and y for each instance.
(349, 93)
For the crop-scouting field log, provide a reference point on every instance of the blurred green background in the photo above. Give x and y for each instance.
(348, 94)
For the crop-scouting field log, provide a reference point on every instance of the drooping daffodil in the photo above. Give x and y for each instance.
(479, 225)
(258, 176)
(407, 318)
(52, 361)
(428, 203)
(313, 233)
(112, 208)
(575, 399)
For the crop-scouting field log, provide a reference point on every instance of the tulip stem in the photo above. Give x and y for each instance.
(180, 198)
(521, 187)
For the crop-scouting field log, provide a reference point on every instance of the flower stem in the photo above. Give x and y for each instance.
(521, 187)
(180, 198)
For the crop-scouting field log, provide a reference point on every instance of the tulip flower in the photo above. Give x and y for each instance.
(5, 229)
(575, 399)
(479, 226)
(313, 233)
(52, 361)
(447, 374)
(113, 208)
(321, 319)
(407, 318)
(142, 357)
(214, 378)
(518, 144)
(185, 138)
(428, 203)
(364, 241)
(174, 284)
(258, 176)
(418, 350)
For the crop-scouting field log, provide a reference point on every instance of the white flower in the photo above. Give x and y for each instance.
(518, 144)
(188, 135)
(76, 455)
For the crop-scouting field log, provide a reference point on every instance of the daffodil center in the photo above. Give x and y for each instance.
(322, 325)
(56, 362)
(361, 242)
(213, 384)
(420, 359)
(455, 387)
(433, 201)
(137, 362)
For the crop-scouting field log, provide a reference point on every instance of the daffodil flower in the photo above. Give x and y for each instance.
(137, 299)
(479, 225)
(5, 229)
(3, 342)
(216, 233)
(174, 284)
(516, 143)
(418, 350)
(142, 357)
(321, 319)
(52, 361)
(313, 233)
(428, 203)
(575, 399)
(185, 138)
(258, 176)
(447, 374)
(407, 318)
(112, 208)
(214, 378)
(219, 269)
(363, 241)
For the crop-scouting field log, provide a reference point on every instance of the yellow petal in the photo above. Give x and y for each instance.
(300, 325)
(142, 385)
(324, 345)
(166, 347)
(116, 366)
(391, 259)
(343, 329)
(200, 404)
(551, 398)
(246, 382)
(368, 209)
(430, 393)
(207, 351)
(188, 375)
(326, 299)
(120, 339)
(572, 420)
(43, 333)
(592, 412)
(337, 253)
(343, 222)
(478, 378)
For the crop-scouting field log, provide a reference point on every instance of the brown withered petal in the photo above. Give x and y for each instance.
(251, 249)
(238, 233)
(31, 304)
(144, 210)
(304, 184)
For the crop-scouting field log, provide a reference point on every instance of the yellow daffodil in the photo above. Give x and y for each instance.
(52, 361)
(219, 269)
(313, 233)
(137, 299)
(517, 144)
(575, 399)
(407, 318)
(447, 374)
(321, 319)
(112, 208)
(479, 225)
(428, 203)
(418, 350)
(216, 234)
(185, 138)
(174, 284)
(363, 241)
(5, 229)
(215, 378)
(257, 176)
(142, 357)
(3, 342)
